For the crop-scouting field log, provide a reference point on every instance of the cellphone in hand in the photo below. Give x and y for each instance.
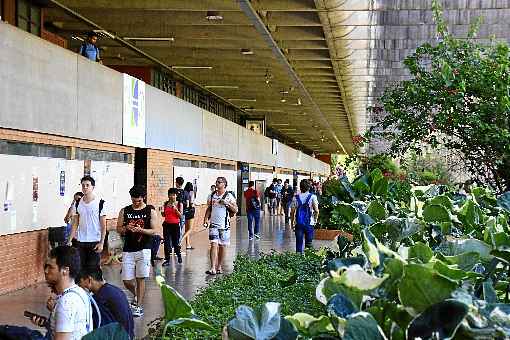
(31, 315)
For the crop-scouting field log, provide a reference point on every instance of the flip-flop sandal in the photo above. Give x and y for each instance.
(208, 272)
(219, 271)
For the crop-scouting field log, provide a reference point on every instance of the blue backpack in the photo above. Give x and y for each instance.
(303, 213)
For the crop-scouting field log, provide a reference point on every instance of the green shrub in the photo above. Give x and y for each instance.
(287, 278)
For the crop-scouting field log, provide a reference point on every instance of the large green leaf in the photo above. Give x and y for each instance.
(370, 248)
(394, 268)
(421, 252)
(330, 286)
(360, 185)
(465, 261)
(442, 318)
(175, 304)
(346, 211)
(340, 263)
(436, 213)
(262, 322)
(356, 277)
(376, 175)
(341, 306)
(376, 211)
(459, 246)
(310, 326)
(469, 213)
(421, 287)
(450, 271)
(380, 187)
(362, 326)
(441, 200)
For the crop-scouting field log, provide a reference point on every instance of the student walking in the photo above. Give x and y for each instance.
(304, 215)
(137, 223)
(287, 196)
(89, 226)
(221, 207)
(189, 214)
(252, 210)
(171, 226)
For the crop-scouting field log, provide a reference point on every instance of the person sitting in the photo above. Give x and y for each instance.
(71, 311)
(111, 300)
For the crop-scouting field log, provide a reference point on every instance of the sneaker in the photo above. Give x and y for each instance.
(250, 238)
(166, 263)
(133, 302)
(137, 311)
(179, 258)
(257, 236)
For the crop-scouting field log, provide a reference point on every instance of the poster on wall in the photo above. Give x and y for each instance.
(133, 112)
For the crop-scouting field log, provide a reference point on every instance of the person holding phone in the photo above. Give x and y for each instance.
(172, 212)
(70, 309)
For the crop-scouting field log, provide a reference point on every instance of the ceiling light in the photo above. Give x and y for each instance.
(75, 37)
(295, 133)
(150, 38)
(214, 16)
(246, 51)
(103, 33)
(276, 124)
(283, 100)
(192, 67)
(299, 101)
(268, 77)
(242, 100)
(284, 92)
(289, 129)
(265, 110)
(221, 86)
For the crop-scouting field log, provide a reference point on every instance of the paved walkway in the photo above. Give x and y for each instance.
(187, 277)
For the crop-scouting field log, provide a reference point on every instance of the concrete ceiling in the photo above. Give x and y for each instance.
(343, 52)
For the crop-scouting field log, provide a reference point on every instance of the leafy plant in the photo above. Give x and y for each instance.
(457, 99)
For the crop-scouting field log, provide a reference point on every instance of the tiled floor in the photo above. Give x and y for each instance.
(187, 277)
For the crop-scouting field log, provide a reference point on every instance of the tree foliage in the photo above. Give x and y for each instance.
(457, 99)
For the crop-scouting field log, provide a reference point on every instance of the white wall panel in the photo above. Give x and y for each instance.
(212, 135)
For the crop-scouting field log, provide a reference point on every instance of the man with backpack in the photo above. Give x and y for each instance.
(89, 225)
(111, 301)
(221, 207)
(252, 209)
(287, 196)
(304, 215)
(89, 49)
(137, 223)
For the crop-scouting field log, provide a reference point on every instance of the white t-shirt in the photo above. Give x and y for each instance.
(219, 211)
(89, 228)
(72, 313)
(313, 200)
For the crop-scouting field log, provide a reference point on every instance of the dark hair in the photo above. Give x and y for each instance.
(78, 193)
(188, 187)
(275, 180)
(92, 34)
(69, 257)
(95, 274)
(88, 178)
(223, 179)
(287, 181)
(173, 191)
(250, 184)
(138, 191)
(179, 181)
(304, 185)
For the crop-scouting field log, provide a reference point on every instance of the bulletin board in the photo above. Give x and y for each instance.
(203, 178)
(35, 192)
(113, 181)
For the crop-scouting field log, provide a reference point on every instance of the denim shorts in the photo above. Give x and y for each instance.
(220, 236)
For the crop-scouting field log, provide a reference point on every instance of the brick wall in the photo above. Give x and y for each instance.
(22, 255)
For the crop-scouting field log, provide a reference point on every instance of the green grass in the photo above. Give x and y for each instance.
(287, 278)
